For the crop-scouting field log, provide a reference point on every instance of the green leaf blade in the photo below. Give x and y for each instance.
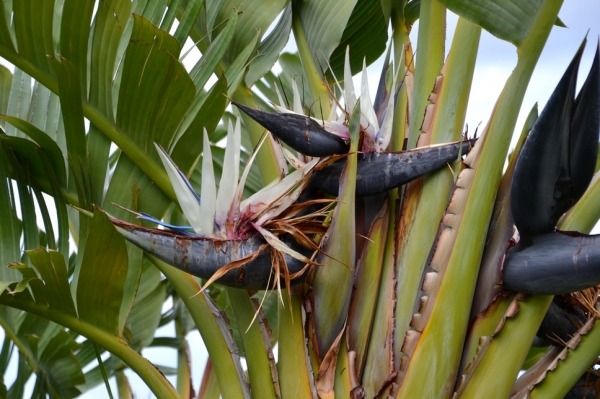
(102, 276)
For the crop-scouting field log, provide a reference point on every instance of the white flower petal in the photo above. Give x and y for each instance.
(349, 94)
(368, 117)
(333, 114)
(297, 106)
(270, 196)
(384, 134)
(208, 190)
(283, 110)
(188, 199)
(229, 176)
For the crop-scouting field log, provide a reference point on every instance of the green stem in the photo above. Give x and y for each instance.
(429, 62)
(438, 351)
(153, 378)
(313, 77)
(23, 348)
(123, 387)
(184, 380)
(559, 381)
(498, 369)
(400, 38)
(293, 366)
(421, 226)
(213, 329)
(256, 351)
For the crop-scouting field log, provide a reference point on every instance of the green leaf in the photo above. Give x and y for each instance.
(211, 57)
(10, 228)
(74, 36)
(186, 22)
(189, 146)
(6, 78)
(155, 91)
(108, 29)
(270, 48)
(61, 367)
(70, 93)
(324, 23)
(5, 35)
(145, 314)
(292, 69)
(19, 98)
(333, 280)
(255, 16)
(169, 18)
(30, 230)
(102, 276)
(53, 270)
(366, 33)
(509, 20)
(44, 141)
(235, 72)
(33, 24)
(25, 155)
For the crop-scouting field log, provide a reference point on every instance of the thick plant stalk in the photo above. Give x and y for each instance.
(429, 62)
(418, 229)
(511, 345)
(294, 368)
(437, 353)
(490, 308)
(262, 375)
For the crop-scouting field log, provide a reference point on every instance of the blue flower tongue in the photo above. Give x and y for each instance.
(558, 159)
(302, 133)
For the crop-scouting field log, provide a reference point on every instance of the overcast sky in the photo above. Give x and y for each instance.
(495, 62)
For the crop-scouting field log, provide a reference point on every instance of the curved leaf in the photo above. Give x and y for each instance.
(509, 20)
(102, 276)
(366, 35)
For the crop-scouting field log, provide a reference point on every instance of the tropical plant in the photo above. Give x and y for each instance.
(399, 290)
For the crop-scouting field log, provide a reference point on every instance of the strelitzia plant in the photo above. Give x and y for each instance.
(224, 226)
(406, 299)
